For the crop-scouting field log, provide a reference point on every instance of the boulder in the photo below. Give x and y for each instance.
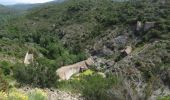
(121, 40)
(106, 51)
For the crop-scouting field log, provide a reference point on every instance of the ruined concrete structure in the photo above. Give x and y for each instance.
(127, 50)
(148, 25)
(66, 72)
(139, 26)
(28, 58)
(144, 26)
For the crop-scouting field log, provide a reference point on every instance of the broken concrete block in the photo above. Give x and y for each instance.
(127, 50)
(28, 58)
(66, 72)
(148, 25)
(139, 26)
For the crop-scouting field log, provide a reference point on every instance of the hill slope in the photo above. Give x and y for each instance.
(70, 31)
(23, 7)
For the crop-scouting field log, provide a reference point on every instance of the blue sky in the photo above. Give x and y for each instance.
(9, 2)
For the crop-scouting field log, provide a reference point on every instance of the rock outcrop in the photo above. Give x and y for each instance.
(133, 68)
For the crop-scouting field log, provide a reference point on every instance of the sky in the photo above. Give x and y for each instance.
(10, 2)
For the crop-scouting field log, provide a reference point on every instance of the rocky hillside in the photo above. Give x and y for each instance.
(128, 40)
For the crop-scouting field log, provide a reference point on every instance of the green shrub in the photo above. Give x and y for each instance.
(5, 66)
(96, 87)
(41, 73)
(93, 87)
(164, 98)
(4, 85)
(3, 96)
(152, 34)
(14, 94)
(37, 94)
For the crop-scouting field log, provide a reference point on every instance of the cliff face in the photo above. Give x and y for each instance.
(143, 72)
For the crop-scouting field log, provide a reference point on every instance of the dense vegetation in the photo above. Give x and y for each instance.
(66, 33)
(15, 94)
(93, 87)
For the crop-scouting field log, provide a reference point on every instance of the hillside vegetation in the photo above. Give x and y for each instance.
(64, 33)
(5, 13)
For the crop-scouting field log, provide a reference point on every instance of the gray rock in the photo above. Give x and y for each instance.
(120, 40)
(148, 25)
(161, 92)
(166, 77)
(106, 51)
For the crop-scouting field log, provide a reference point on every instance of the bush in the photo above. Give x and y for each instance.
(41, 74)
(4, 85)
(3, 96)
(5, 67)
(17, 95)
(92, 87)
(152, 34)
(96, 87)
(37, 94)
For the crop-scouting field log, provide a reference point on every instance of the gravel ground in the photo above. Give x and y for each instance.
(54, 94)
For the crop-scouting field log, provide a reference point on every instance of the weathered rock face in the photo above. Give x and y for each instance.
(166, 77)
(109, 47)
(160, 92)
(139, 67)
(101, 64)
(120, 41)
(66, 72)
(106, 51)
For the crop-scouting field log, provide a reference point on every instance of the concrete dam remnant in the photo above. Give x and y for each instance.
(148, 25)
(28, 58)
(127, 50)
(144, 26)
(66, 72)
(139, 26)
